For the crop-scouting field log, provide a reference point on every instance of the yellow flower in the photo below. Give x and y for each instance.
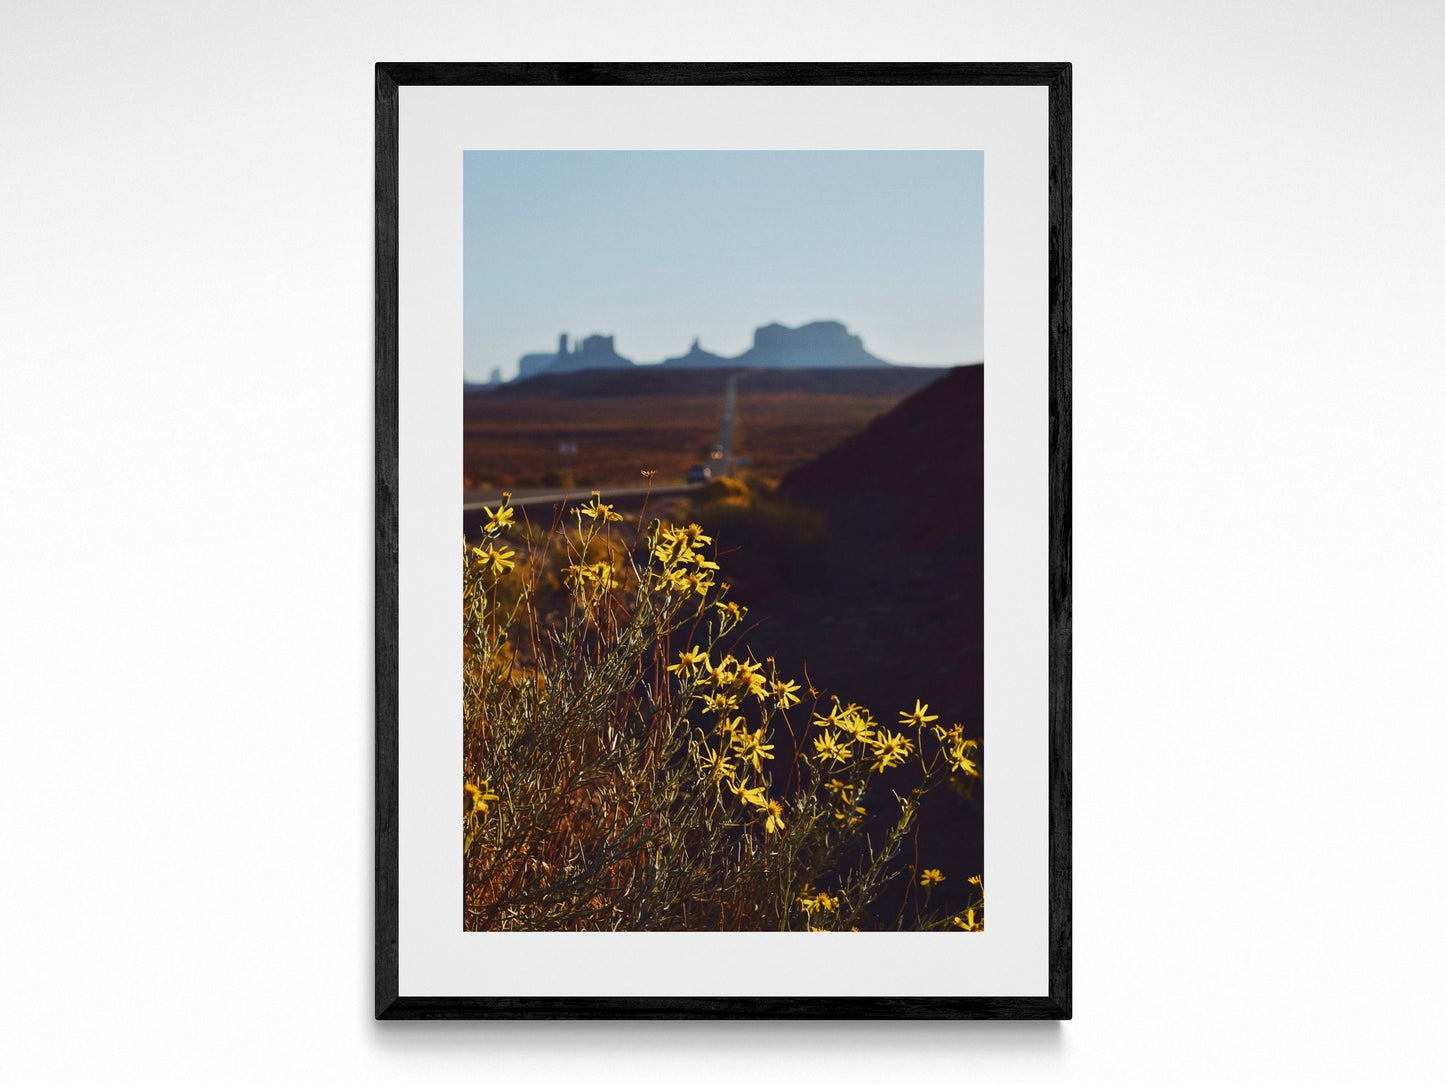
(676, 579)
(729, 725)
(597, 510)
(749, 795)
(480, 796)
(602, 574)
(889, 749)
(724, 674)
(976, 879)
(695, 536)
(689, 556)
(812, 902)
(688, 659)
(718, 703)
(829, 749)
(731, 612)
(500, 561)
(751, 679)
(918, 716)
(750, 748)
(786, 692)
(715, 765)
(856, 721)
(498, 520)
(931, 877)
(966, 922)
(957, 756)
(775, 816)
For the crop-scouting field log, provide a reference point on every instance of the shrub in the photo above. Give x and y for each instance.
(619, 767)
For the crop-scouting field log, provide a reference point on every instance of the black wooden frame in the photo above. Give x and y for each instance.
(1057, 1005)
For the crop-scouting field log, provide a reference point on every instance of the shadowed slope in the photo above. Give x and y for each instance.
(895, 609)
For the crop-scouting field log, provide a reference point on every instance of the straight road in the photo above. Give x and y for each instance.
(725, 430)
(476, 500)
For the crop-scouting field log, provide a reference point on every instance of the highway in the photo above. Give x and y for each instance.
(725, 430)
(477, 499)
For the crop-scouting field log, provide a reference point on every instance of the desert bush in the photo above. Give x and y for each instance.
(619, 767)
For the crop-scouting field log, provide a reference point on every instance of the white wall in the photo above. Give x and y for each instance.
(185, 557)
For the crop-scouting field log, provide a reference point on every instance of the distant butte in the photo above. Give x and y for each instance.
(822, 344)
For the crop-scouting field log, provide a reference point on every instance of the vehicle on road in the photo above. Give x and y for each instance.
(699, 472)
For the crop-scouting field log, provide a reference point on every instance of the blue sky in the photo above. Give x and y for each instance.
(656, 247)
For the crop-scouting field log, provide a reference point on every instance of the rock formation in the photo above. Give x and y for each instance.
(593, 352)
(823, 344)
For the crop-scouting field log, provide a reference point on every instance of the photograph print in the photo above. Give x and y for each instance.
(723, 558)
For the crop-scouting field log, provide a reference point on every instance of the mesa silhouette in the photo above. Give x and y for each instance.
(822, 344)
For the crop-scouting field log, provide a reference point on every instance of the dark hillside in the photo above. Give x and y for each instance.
(926, 454)
(894, 609)
(903, 503)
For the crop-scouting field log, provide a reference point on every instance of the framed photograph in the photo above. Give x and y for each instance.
(756, 382)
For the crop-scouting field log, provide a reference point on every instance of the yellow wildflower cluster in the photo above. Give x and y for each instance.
(723, 685)
(705, 778)
(738, 749)
(684, 567)
(720, 688)
(498, 560)
(770, 809)
(599, 574)
(850, 731)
